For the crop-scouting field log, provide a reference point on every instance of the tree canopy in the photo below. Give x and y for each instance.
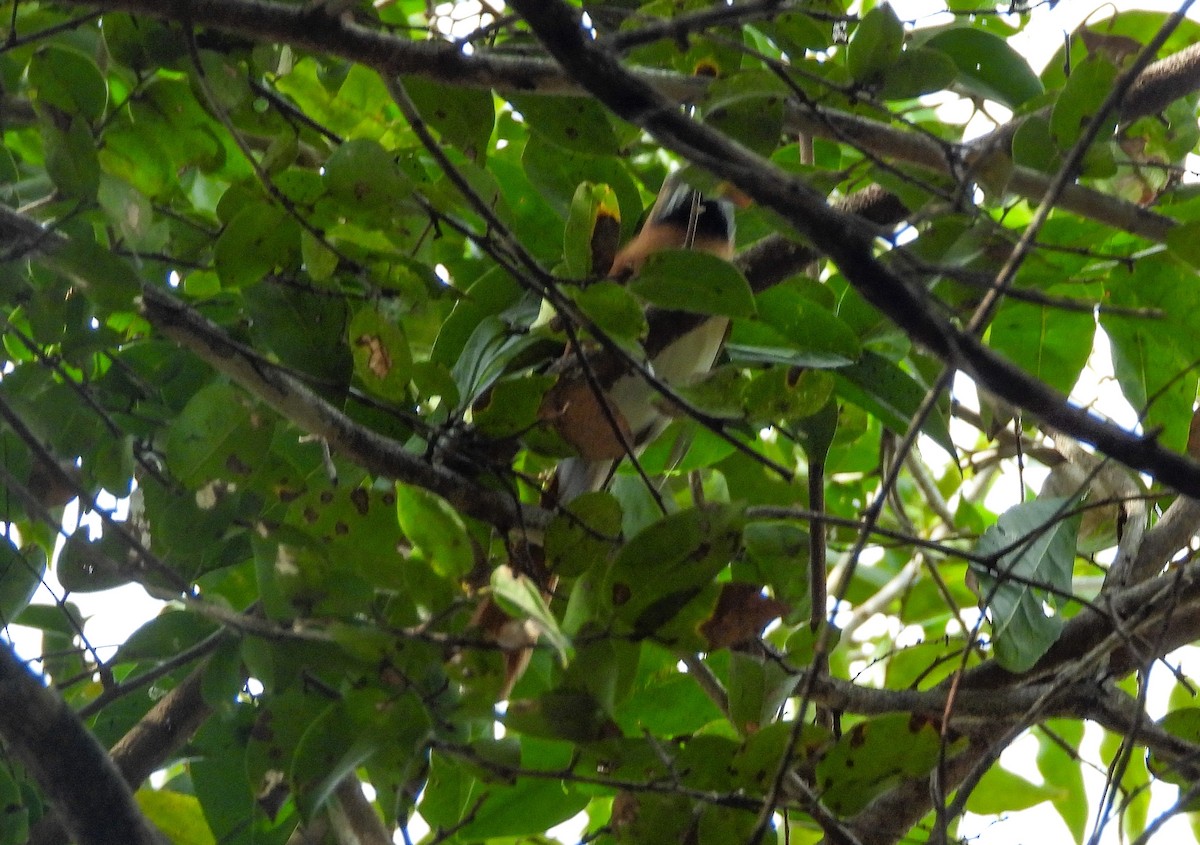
(293, 282)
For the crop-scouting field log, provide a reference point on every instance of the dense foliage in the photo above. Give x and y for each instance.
(292, 281)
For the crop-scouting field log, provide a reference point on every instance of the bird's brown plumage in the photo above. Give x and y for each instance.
(680, 219)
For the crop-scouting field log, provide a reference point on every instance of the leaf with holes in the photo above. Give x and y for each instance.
(873, 756)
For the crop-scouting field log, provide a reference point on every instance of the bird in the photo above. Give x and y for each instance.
(680, 347)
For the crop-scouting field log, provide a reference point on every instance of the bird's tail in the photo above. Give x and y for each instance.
(576, 476)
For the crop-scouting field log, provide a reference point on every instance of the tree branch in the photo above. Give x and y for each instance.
(302, 27)
(288, 395)
(1160, 614)
(298, 403)
(71, 768)
(844, 240)
(147, 745)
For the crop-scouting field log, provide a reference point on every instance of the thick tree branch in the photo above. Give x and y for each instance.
(73, 770)
(148, 744)
(352, 817)
(307, 27)
(1159, 615)
(1162, 83)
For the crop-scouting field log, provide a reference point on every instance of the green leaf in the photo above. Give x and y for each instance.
(696, 282)
(436, 530)
(577, 124)
(463, 116)
(593, 229)
(128, 209)
(584, 536)
(68, 80)
(718, 393)
(224, 676)
(306, 331)
(757, 688)
(756, 762)
(1184, 242)
(257, 240)
(664, 702)
(332, 748)
(14, 822)
(777, 555)
(221, 433)
(796, 32)
(382, 359)
(142, 43)
(1153, 357)
(818, 335)
(108, 279)
(490, 295)
(71, 159)
(1134, 782)
(366, 724)
(1000, 791)
(137, 159)
(917, 71)
(522, 598)
(1057, 765)
(529, 808)
(665, 566)
(559, 714)
(614, 309)
(1086, 88)
(987, 66)
(279, 725)
(21, 572)
(873, 756)
(178, 816)
(86, 565)
(786, 394)
(222, 79)
(556, 174)
(1185, 724)
(297, 575)
(875, 44)
(165, 636)
(489, 349)
(1033, 146)
(606, 670)
(218, 778)
(511, 407)
(1034, 543)
(748, 107)
(817, 433)
(319, 260)
(363, 175)
(882, 388)
(1045, 341)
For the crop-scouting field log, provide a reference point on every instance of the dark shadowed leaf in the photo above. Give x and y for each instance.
(875, 44)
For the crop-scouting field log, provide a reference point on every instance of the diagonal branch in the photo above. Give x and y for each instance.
(308, 27)
(845, 241)
(71, 768)
(288, 395)
(297, 402)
